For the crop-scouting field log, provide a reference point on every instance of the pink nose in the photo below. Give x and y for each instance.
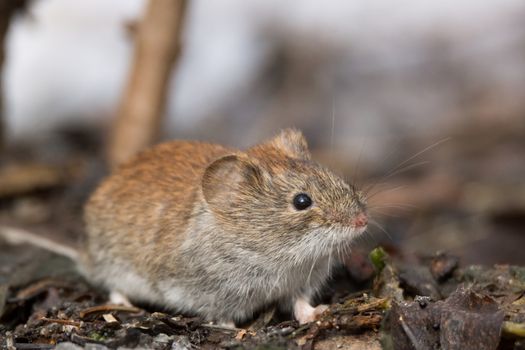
(360, 220)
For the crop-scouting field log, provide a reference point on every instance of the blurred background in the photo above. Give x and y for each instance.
(421, 103)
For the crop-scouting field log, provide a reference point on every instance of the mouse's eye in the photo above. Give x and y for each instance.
(302, 201)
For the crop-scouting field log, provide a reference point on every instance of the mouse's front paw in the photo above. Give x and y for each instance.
(305, 313)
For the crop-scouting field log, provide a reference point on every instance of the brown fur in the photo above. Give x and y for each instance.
(145, 205)
(212, 230)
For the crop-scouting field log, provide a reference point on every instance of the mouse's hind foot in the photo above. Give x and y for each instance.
(117, 298)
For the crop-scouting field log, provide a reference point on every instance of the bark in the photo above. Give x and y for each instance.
(141, 109)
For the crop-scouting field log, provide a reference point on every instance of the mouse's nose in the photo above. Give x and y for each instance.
(360, 220)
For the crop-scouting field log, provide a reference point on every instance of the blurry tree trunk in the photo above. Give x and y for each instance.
(7, 9)
(157, 47)
(5, 15)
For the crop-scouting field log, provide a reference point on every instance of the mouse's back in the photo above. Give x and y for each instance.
(143, 207)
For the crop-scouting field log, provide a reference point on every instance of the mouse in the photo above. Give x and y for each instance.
(221, 233)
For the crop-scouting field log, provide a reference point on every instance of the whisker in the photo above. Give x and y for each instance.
(406, 168)
(393, 205)
(366, 239)
(384, 213)
(333, 127)
(435, 144)
(357, 164)
(376, 224)
(369, 240)
(385, 191)
(395, 170)
(338, 250)
(332, 240)
(311, 270)
(391, 211)
(316, 258)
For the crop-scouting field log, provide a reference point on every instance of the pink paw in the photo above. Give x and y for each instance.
(305, 313)
(117, 298)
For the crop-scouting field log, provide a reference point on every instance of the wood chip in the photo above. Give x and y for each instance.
(240, 334)
(9, 341)
(109, 318)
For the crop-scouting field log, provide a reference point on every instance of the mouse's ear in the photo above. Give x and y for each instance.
(223, 178)
(292, 142)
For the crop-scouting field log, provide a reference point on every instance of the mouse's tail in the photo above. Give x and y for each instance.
(16, 236)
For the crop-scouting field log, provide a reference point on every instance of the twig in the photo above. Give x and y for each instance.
(299, 330)
(410, 334)
(66, 322)
(221, 328)
(39, 287)
(107, 308)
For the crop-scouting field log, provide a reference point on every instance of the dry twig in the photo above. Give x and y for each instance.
(108, 308)
(64, 322)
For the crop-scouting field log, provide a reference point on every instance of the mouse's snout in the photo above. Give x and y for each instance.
(354, 220)
(360, 220)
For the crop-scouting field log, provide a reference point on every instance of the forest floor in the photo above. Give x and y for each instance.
(431, 305)
(402, 299)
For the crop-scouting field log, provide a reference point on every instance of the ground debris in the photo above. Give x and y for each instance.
(42, 286)
(442, 266)
(418, 280)
(513, 329)
(65, 322)
(85, 322)
(387, 284)
(465, 320)
(100, 309)
(487, 303)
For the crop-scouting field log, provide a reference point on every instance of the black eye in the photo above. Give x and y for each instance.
(302, 201)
